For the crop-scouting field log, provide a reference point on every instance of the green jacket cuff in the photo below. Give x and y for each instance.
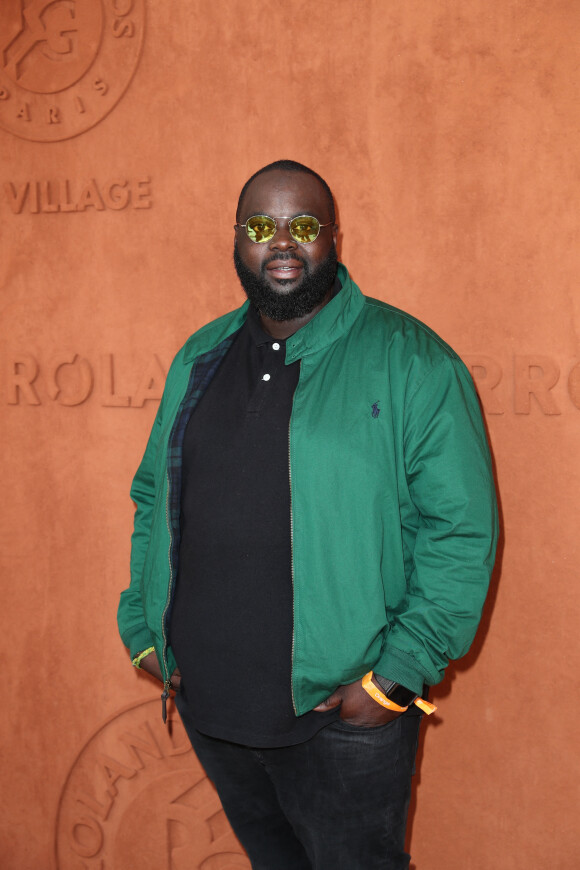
(402, 668)
(139, 641)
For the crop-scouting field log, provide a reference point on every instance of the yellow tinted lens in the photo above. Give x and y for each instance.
(260, 228)
(304, 228)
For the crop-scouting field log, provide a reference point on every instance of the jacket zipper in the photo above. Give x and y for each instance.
(292, 578)
(164, 665)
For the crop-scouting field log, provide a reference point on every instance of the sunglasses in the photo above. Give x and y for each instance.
(303, 229)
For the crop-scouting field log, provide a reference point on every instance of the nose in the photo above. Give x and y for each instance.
(282, 240)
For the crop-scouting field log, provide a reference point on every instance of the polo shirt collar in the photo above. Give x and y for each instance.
(258, 335)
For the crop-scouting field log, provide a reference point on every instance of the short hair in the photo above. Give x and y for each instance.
(289, 166)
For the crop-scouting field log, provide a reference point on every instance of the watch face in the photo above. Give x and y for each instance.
(401, 696)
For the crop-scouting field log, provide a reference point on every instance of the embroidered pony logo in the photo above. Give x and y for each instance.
(375, 410)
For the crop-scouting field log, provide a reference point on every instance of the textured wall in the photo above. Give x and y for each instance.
(449, 132)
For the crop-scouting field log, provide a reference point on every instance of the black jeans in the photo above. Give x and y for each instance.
(339, 801)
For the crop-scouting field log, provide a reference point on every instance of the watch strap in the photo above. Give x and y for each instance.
(402, 696)
(395, 691)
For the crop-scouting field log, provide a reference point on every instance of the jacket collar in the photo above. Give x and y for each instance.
(330, 324)
(213, 333)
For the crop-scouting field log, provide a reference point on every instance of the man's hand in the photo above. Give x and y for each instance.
(151, 665)
(357, 707)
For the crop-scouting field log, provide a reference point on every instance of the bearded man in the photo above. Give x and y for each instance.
(319, 475)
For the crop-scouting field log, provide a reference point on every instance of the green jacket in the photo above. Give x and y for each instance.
(394, 517)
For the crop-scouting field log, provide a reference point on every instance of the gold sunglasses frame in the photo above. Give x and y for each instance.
(289, 221)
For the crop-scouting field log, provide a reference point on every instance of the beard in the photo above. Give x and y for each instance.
(291, 304)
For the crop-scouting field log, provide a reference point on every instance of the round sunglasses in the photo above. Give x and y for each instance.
(303, 229)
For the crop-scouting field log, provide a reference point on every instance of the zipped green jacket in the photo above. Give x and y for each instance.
(393, 511)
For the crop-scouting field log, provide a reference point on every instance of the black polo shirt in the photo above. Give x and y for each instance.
(232, 617)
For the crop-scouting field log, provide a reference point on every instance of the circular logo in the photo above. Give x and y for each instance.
(136, 796)
(64, 64)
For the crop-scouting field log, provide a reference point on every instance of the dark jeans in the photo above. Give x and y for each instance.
(339, 801)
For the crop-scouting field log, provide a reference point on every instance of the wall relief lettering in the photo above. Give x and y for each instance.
(49, 196)
(65, 64)
(530, 384)
(70, 379)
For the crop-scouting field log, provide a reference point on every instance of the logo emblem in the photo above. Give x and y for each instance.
(136, 796)
(64, 64)
(375, 410)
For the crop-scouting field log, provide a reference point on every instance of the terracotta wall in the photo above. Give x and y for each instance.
(449, 131)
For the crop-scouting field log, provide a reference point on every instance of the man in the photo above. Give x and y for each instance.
(314, 534)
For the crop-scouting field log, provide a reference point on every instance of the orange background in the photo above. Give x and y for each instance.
(449, 134)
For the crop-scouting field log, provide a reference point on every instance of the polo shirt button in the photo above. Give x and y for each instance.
(265, 377)
(275, 346)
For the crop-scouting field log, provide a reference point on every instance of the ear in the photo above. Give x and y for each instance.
(335, 234)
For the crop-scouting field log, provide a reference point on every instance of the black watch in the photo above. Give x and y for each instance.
(395, 692)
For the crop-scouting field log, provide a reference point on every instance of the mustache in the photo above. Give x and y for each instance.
(284, 255)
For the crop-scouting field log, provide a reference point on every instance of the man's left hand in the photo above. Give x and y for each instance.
(357, 707)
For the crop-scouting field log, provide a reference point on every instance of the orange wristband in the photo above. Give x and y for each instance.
(425, 706)
(378, 696)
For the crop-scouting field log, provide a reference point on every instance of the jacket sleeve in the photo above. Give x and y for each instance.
(450, 481)
(130, 617)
